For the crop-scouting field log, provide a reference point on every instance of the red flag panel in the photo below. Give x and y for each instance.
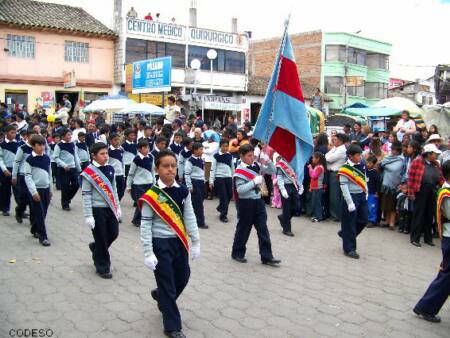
(283, 142)
(288, 80)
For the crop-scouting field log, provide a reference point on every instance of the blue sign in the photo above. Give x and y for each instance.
(152, 76)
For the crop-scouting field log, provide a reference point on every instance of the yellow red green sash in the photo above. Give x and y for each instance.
(354, 175)
(443, 193)
(169, 211)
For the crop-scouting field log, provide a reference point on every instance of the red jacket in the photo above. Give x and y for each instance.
(415, 175)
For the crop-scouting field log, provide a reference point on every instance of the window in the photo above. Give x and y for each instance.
(333, 84)
(21, 46)
(378, 61)
(355, 91)
(226, 61)
(234, 62)
(138, 50)
(76, 52)
(375, 90)
(335, 53)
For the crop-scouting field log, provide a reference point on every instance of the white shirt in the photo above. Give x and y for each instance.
(162, 185)
(209, 150)
(336, 157)
(172, 112)
(402, 124)
(140, 134)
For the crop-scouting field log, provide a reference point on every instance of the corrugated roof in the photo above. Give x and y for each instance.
(39, 15)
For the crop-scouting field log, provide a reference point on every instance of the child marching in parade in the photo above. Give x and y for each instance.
(82, 150)
(101, 207)
(251, 208)
(222, 170)
(115, 153)
(184, 156)
(38, 179)
(352, 179)
(68, 163)
(8, 150)
(168, 222)
(129, 149)
(289, 189)
(141, 177)
(434, 298)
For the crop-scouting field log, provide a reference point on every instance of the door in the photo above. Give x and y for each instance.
(16, 100)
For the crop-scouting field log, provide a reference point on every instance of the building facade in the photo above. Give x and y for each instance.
(63, 50)
(347, 68)
(421, 92)
(141, 39)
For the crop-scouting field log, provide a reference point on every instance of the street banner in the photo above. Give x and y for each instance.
(152, 76)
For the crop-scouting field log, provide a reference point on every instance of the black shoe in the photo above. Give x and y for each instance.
(340, 233)
(175, 334)
(280, 218)
(352, 254)
(224, 219)
(272, 262)
(288, 233)
(19, 217)
(105, 275)
(204, 226)
(136, 224)
(35, 235)
(66, 208)
(416, 244)
(6, 213)
(430, 243)
(154, 294)
(240, 259)
(44, 242)
(92, 248)
(426, 316)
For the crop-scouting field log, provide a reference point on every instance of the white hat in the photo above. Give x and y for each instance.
(431, 148)
(434, 137)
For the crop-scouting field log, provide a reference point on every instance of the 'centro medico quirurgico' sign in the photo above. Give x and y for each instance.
(182, 33)
(150, 76)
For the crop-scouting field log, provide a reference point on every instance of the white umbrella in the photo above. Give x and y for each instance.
(399, 103)
(142, 108)
(108, 105)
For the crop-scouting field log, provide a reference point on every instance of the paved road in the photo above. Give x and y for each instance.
(317, 292)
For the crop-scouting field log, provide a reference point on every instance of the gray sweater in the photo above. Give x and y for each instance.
(140, 171)
(37, 176)
(64, 158)
(193, 172)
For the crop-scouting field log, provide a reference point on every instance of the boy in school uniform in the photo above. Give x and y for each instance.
(148, 135)
(141, 177)
(168, 222)
(222, 170)
(251, 208)
(176, 146)
(18, 178)
(194, 176)
(38, 179)
(68, 163)
(82, 150)
(373, 186)
(56, 138)
(185, 154)
(437, 293)
(353, 182)
(160, 144)
(101, 207)
(115, 153)
(8, 150)
(129, 149)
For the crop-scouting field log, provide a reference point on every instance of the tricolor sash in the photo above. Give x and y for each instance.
(443, 193)
(288, 172)
(354, 175)
(104, 187)
(169, 211)
(244, 173)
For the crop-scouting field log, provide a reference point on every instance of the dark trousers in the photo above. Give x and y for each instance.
(69, 185)
(269, 184)
(423, 213)
(289, 206)
(439, 290)
(335, 196)
(317, 206)
(6, 190)
(105, 233)
(55, 174)
(127, 170)
(353, 223)
(172, 275)
(120, 186)
(251, 213)
(23, 198)
(198, 195)
(39, 211)
(224, 190)
(137, 190)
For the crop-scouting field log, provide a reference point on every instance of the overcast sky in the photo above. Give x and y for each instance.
(418, 29)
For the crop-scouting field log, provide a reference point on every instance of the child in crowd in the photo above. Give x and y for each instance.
(129, 149)
(160, 144)
(185, 154)
(56, 138)
(115, 154)
(82, 150)
(317, 172)
(402, 208)
(140, 177)
(166, 239)
(101, 207)
(222, 170)
(8, 150)
(38, 179)
(194, 176)
(149, 136)
(373, 185)
(176, 146)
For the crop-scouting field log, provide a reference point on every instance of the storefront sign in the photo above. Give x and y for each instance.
(211, 37)
(220, 103)
(156, 99)
(69, 79)
(151, 76)
(156, 29)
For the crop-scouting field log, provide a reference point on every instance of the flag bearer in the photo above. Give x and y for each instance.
(434, 298)
(101, 207)
(251, 209)
(38, 179)
(352, 179)
(168, 222)
(115, 153)
(8, 150)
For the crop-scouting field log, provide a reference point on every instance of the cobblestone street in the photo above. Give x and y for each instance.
(317, 292)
